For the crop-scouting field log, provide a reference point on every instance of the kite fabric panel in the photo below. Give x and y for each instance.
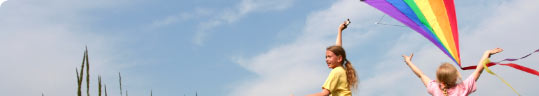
(433, 19)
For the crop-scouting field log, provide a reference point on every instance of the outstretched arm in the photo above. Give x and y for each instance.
(419, 73)
(486, 55)
(339, 34)
(324, 92)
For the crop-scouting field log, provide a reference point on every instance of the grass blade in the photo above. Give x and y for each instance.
(87, 73)
(120, 79)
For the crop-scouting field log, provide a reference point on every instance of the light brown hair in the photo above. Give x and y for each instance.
(448, 75)
(351, 76)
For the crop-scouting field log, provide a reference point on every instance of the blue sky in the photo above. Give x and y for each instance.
(244, 47)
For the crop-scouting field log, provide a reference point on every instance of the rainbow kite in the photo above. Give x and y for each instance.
(434, 19)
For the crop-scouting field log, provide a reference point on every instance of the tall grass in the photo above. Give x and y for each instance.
(106, 90)
(79, 77)
(78, 82)
(99, 84)
(85, 61)
(120, 79)
(87, 73)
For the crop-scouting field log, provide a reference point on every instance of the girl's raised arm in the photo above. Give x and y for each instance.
(486, 55)
(339, 34)
(419, 73)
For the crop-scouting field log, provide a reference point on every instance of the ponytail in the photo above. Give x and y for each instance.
(350, 75)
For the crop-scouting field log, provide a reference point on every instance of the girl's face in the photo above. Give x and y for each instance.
(333, 60)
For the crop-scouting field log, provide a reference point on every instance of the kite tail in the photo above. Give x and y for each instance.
(516, 66)
(515, 59)
(489, 71)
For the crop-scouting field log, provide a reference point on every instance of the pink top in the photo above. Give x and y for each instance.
(461, 89)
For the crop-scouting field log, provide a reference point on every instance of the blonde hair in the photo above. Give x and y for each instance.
(448, 75)
(351, 76)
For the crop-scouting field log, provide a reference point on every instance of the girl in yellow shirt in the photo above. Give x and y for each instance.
(343, 77)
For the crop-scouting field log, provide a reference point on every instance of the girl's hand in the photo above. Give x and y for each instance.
(417, 71)
(408, 58)
(486, 55)
(342, 26)
(494, 51)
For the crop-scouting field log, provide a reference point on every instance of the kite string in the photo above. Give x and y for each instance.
(380, 22)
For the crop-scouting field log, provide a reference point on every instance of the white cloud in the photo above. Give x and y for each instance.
(2, 1)
(231, 15)
(296, 68)
(198, 12)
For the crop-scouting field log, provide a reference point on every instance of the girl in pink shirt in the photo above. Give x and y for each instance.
(447, 76)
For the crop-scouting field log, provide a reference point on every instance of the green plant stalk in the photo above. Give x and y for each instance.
(87, 73)
(78, 82)
(99, 84)
(106, 90)
(79, 77)
(120, 79)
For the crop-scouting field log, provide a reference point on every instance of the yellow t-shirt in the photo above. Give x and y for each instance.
(337, 83)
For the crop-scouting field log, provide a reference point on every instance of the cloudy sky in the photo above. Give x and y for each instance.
(245, 47)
